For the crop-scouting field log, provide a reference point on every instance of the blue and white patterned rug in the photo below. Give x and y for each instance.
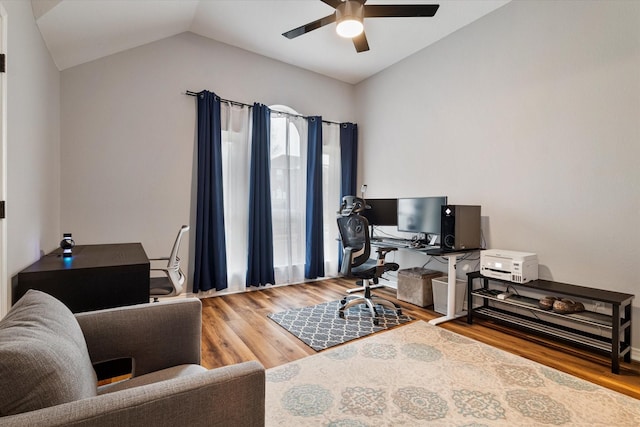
(419, 374)
(320, 327)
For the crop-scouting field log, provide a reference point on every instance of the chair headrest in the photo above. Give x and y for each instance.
(351, 205)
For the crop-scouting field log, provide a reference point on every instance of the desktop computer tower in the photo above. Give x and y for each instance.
(460, 227)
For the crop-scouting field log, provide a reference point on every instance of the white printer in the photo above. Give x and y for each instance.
(517, 267)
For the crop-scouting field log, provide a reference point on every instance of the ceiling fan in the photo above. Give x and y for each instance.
(350, 14)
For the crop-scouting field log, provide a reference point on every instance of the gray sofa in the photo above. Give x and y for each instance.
(47, 376)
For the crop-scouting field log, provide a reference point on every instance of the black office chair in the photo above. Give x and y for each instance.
(354, 233)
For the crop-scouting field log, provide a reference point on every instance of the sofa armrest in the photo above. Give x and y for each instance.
(229, 396)
(155, 336)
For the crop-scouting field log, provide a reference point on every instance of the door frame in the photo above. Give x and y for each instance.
(5, 291)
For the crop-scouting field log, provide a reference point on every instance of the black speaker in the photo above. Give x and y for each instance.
(460, 227)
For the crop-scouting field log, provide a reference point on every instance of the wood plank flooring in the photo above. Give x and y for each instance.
(236, 329)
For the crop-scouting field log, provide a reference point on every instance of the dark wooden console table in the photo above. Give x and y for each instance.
(95, 277)
(616, 342)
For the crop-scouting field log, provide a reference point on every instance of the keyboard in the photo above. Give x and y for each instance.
(391, 242)
(400, 243)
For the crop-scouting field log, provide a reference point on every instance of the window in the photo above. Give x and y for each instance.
(288, 192)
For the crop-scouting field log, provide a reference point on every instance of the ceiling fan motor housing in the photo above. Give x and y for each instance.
(350, 9)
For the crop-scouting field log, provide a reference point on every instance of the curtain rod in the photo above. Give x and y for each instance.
(242, 104)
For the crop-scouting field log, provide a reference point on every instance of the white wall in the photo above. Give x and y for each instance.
(128, 132)
(33, 141)
(532, 112)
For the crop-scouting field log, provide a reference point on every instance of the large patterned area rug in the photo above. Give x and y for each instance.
(320, 327)
(419, 374)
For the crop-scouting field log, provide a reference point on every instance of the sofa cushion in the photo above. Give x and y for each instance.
(44, 359)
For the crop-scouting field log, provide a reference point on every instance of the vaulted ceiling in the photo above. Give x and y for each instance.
(79, 31)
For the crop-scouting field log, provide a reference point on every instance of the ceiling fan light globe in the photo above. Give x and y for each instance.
(350, 18)
(349, 28)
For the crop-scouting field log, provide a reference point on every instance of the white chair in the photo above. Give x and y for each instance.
(171, 283)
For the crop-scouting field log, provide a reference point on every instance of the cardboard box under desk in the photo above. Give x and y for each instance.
(414, 285)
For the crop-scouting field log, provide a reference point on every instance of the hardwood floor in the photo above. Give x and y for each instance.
(236, 329)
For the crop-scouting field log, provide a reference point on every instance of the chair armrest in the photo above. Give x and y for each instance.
(155, 262)
(229, 396)
(158, 261)
(345, 268)
(155, 336)
(384, 250)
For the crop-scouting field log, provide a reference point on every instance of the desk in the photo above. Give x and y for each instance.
(452, 258)
(96, 277)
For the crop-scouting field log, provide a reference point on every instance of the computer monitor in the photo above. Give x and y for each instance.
(382, 212)
(420, 214)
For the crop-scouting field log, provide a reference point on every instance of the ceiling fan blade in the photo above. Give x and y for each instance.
(400, 11)
(360, 42)
(332, 3)
(310, 26)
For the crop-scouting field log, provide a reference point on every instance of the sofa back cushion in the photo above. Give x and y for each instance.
(44, 359)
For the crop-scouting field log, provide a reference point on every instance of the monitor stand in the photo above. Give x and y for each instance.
(433, 240)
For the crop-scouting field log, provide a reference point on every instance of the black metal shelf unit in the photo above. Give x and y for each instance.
(564, 327)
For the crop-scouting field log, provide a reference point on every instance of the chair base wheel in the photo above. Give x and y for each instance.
(366, 300)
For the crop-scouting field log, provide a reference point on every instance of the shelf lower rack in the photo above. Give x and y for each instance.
(598, 320)
(603, 345)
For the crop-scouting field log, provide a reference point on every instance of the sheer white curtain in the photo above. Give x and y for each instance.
(236, 135)
(331, 195)
(288, 193)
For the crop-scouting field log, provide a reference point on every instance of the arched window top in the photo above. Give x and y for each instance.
(283, 109)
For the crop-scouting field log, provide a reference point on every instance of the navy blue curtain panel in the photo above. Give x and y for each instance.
(348, 165)
(314, 259)
(260, 269)
(211, 256)
(348, 159)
